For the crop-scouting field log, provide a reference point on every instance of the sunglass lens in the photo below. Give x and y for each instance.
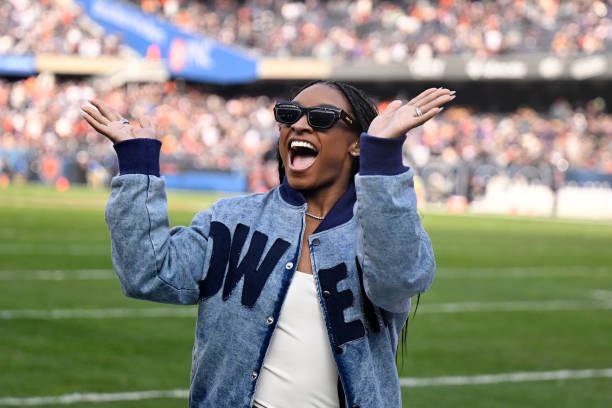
(323, 119)
(287, 114)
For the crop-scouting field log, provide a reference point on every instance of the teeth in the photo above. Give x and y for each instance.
(299, 143)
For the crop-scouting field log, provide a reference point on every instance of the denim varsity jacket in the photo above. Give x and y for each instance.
(369, 256)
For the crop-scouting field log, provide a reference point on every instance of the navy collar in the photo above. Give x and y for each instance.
(340, 213)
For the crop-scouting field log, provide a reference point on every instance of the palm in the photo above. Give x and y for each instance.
(108, 122)
(399, 118)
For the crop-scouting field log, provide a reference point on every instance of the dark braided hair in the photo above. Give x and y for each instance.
(363, 109)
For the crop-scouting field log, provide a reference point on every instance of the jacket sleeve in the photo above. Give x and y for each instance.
(393, 248)
(152, 261)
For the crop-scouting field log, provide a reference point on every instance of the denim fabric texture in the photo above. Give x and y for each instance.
(236, 261)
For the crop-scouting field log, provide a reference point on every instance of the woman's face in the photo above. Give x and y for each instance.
(318, 159)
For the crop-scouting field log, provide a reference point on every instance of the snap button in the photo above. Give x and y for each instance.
(339, 350)
(270, 320)
(289, 265)
(326, 294)
(254, 375)
(315, 242)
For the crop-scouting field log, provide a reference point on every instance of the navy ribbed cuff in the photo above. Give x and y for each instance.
(379, 156)
(138, 156)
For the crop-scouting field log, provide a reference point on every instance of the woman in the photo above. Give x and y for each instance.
(304, 290)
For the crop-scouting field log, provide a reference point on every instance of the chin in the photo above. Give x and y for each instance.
(300, 182)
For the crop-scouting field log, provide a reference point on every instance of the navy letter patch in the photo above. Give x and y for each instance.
(225, 255)
(336, 302)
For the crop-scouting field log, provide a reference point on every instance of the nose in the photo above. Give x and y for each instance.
(301, 125)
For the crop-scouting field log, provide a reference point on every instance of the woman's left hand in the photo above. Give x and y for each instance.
(399, 118)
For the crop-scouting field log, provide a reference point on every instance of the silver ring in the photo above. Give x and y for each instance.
(418, 111)
(124, 121)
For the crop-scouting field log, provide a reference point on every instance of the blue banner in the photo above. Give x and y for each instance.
(186, 55)
(20, 65)
(588, 177)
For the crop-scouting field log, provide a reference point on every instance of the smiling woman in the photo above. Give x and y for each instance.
(302, 291)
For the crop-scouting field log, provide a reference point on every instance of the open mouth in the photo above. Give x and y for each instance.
(301, 155)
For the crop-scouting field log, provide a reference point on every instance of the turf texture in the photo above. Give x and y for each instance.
(510, 295)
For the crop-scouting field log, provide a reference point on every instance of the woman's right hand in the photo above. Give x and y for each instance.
(108, 122)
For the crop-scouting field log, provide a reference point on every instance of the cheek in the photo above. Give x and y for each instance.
(336, 155)
(282, 142)
(339, 146)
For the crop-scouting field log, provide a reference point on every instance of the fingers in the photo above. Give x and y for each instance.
(96, 115)
(437, 101)
(95, 123)
(415, 101)
(391, 108)
(426, 98)
(431, 100)
(145, 122)
(108, 112)
(427, 115)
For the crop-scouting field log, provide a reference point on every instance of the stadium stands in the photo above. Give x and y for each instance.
(459, 153)
(52, 27)
(41, 123)
(384, 31)
(378, 31)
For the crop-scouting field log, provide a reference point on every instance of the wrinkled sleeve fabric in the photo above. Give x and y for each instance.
(152, 260)
(393, 248)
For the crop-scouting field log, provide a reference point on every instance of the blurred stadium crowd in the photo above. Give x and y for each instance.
(379, 31)
(385, 31)
(43, 135)
(51, 27)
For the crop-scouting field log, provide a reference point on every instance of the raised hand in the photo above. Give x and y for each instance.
(109, 123)
(398, 118)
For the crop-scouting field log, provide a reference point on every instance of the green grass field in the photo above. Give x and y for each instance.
(511, 295)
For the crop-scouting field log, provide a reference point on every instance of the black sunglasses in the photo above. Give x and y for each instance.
(319, 117)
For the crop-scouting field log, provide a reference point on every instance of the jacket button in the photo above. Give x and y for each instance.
(355, 406)
(254, 375)
(270, 320)
(315, 242)
(339, 350)
(289, 265)
(326, 294)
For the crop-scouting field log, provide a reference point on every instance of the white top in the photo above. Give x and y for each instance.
(299, 369)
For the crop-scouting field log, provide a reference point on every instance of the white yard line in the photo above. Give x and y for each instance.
(54, 249)
(110, 313)
(67, 399)
(600, 294)
(524, 272)
(515, 306)
(443, 273)
(489, 216)
(507, 377)
(59, 275)
(432, 308)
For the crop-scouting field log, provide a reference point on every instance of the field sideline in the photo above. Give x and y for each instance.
(520, 313)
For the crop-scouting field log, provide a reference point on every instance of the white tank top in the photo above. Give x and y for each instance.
(299, 370)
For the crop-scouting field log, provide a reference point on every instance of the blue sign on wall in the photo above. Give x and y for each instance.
(186, 55)
(21, 65)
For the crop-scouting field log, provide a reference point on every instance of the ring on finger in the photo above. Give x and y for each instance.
(418, 111)
(124, 121)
